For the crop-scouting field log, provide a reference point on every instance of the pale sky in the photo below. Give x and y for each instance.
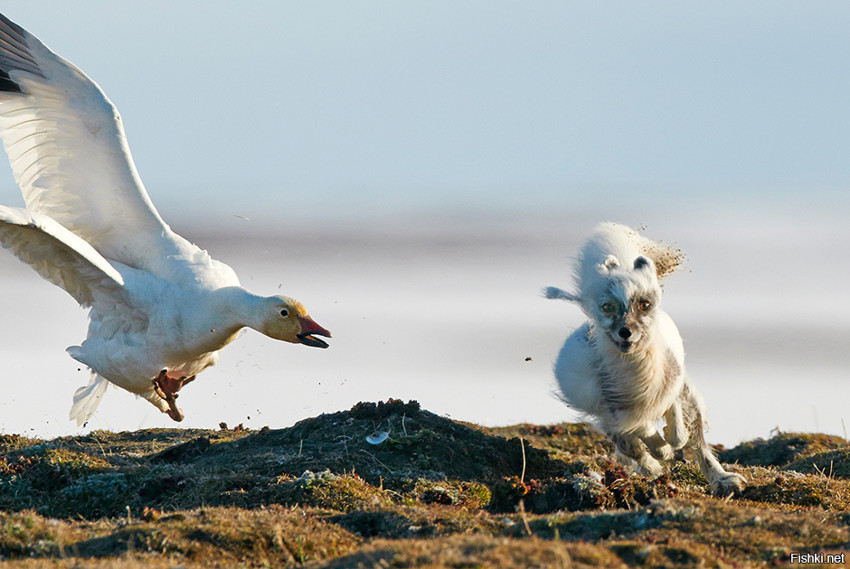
(328, 108)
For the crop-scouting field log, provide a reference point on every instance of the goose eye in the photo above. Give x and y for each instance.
(284, 313)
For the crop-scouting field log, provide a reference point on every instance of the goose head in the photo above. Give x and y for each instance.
(286, 319)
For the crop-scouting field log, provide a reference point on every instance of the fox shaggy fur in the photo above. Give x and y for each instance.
(626, 365)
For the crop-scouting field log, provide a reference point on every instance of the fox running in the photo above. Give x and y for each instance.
(625, 366)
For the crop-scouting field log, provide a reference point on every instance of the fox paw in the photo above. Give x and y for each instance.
(728, 484)
(650, 467)
(663, 452)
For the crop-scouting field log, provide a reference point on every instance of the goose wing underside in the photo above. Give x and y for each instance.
(60, 256)
(69, 153)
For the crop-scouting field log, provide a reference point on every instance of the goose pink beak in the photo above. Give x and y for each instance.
(309, 330)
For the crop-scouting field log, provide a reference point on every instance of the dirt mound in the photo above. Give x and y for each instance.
(338, 460)
(830, 464)
(414, 444)
(781, 450)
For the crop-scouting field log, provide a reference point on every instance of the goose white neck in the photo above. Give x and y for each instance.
(243, 308)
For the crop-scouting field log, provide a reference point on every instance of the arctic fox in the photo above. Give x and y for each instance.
(626, 365)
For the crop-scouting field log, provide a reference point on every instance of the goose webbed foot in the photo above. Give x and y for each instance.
(167, 387)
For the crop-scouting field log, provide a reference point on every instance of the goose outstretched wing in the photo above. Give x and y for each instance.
(69, 154)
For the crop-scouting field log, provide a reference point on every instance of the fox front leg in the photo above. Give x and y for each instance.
(631, 446)
(675, 430)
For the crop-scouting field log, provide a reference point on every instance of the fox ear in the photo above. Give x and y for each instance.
(611, 262)
(642, 263)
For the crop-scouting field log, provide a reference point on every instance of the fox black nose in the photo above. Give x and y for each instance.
(624, 333)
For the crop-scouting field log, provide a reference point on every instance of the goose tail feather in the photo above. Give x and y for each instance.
(87, 398)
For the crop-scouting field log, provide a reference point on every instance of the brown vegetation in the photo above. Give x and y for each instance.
(391, 485)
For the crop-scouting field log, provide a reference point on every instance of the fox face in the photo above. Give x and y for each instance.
(626, 302)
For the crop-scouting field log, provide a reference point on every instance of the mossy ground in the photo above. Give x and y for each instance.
(431, 493)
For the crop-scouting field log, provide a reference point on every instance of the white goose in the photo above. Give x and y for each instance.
(161, 308)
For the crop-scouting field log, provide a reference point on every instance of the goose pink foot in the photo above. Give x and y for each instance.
(167, 387)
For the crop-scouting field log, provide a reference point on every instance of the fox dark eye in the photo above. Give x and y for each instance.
(644, 305)
(284, 312)
(607, 307)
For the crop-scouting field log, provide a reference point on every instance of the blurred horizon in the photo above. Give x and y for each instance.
(452, 316)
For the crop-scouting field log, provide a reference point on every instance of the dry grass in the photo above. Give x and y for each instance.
(436, 493)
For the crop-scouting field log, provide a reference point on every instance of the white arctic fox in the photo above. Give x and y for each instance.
(626, 365)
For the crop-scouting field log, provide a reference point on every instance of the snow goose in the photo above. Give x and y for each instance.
(161, 308)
